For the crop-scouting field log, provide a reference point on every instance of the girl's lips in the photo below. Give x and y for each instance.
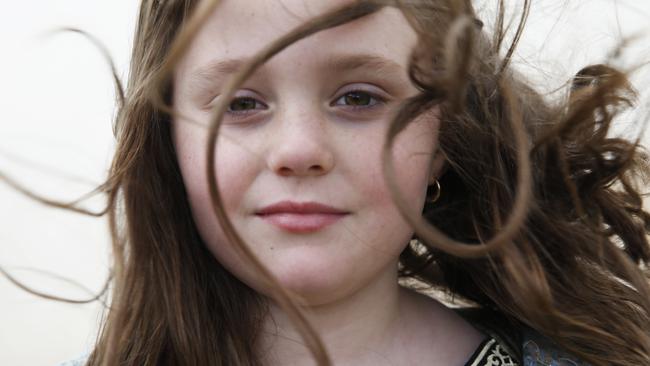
(300, 217)
(302, 222)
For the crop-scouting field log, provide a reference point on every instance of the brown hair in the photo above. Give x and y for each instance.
(541, 219)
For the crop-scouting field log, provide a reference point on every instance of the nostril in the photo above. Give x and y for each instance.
(314, 169)
(285, 171)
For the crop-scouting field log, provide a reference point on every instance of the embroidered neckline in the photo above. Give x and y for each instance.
(491, 353)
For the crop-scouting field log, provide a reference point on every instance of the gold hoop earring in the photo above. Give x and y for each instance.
(436, 195)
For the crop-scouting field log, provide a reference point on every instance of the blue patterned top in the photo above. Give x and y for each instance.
(540, 351)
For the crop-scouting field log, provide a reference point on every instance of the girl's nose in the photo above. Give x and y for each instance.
(300, 146)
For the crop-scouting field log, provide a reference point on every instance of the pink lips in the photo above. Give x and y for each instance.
(300, 217)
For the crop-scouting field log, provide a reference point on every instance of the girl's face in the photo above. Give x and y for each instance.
(305, 133)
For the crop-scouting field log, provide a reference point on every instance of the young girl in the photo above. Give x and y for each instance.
(282, 167)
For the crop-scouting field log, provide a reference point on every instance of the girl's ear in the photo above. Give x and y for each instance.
(438, 167)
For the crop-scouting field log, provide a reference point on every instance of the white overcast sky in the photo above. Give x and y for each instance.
(56, 105)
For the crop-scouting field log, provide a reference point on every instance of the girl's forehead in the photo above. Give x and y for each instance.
(264, 20)
(298, 10)
(240, 29)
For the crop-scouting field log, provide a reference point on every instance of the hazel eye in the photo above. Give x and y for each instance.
(244, 104)
(358, 99)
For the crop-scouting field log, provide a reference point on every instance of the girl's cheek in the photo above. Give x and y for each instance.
(234, 170)
(412, 155)
(190, 142)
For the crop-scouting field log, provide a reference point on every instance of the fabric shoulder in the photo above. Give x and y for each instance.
(491, 353)
(506, 333)
(526, 346)
(541, 351)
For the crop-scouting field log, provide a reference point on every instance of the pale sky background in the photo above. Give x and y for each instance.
(56, 103)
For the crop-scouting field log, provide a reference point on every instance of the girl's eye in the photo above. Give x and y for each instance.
(358, 99)
(244, 105)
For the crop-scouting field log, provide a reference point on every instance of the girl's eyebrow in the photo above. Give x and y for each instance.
(365, 61)
(216, 70)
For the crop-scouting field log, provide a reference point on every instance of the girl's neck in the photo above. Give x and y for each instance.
(381, 323)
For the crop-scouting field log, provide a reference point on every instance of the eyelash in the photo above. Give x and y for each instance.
(375, 101)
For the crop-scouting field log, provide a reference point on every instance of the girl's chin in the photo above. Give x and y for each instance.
(316, 285)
